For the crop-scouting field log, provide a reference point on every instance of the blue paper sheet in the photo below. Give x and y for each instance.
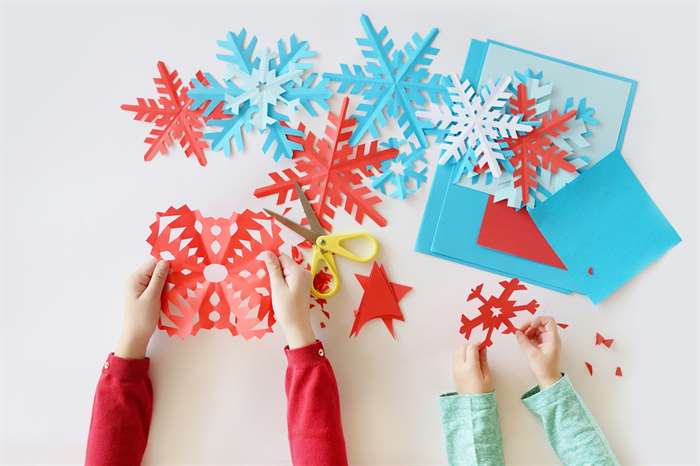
(605, 220)
(453, 213)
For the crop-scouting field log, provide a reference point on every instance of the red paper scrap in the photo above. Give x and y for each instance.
(172, 116)
(514, 232)
(495, 311)
(618, 371)
(601, 340)
(589, 368)
(590, 271)
(215, 279)
(562, 325)
(380, 300)
(331, 172)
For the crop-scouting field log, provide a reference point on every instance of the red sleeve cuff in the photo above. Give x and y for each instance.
(305, 356)
(126, 368)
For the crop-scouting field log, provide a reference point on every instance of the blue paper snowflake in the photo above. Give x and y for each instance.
(403, 175)
(548, 157)
(258, 91)
(393, 83)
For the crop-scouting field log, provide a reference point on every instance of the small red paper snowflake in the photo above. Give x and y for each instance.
(537, 148)
(172, 117)
(496, 311)
(215, 279)
(331, 172)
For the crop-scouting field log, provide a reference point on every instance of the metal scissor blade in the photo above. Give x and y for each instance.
(314, 224)
(295, 227)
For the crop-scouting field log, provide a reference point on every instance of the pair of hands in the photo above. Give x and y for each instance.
(539, 341)
(289, 284)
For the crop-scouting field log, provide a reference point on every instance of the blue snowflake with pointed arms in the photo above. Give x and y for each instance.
(403, 175)
(259, 91)
(393, 83)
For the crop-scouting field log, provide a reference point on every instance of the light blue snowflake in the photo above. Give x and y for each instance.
(393, 83)
(259, 91)
(403, 175)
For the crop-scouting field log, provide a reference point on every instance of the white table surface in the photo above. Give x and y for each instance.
(78, 198)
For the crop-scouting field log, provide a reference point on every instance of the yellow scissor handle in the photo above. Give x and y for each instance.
(334, 244)
(319, 260)
(325, 247)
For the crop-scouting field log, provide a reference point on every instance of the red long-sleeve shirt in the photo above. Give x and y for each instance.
(121, 412)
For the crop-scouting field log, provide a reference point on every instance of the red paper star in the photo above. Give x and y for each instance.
(379, 301)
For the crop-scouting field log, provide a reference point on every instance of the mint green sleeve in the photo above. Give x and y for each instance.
(472, 432)
(570, 427)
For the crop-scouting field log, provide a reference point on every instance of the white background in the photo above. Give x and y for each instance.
(77, 200)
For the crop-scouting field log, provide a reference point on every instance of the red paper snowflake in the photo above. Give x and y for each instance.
(496, 311)
(215, 279)
(172, 117)
(331, 171)
(536, 148)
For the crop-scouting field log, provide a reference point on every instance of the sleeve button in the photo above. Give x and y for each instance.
(321, 352)
(106, 366)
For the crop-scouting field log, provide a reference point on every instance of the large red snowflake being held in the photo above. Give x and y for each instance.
(496, 311)
(330, 172)
(172, 117)
(215, 279)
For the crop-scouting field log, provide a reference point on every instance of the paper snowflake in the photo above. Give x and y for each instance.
(496, 311)
(474, 124)
(403, 175)
(331, 172)
(215, 278)
(547, 158)
(174, 116)
(259, 91)
(393, 83)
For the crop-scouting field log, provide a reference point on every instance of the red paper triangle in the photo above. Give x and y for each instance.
(589, 368)
(601, 340)
(380, 300)
(618, 371)
(514, 232)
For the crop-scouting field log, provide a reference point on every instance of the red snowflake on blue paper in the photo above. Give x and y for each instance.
(496, 311)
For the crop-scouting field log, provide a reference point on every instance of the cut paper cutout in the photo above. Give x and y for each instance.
(393, 83)
(562, 325)
(590, 271)
(589, 368)
(546, 158)
(238, 301)
(259, 91)
(606, 220)
(601, 340)
(618, 371)
(514, 232)
(474, 124)
(496, 311)
(403, 175)
(331, 172)
(380, 300)
(174, 116)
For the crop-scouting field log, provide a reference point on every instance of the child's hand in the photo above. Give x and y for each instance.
(142, 308)
(539, 340)
(470, 369)
(289, 283)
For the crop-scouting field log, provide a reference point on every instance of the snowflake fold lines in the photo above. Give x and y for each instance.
(402, 176)
(547, 158)
(331, 172)
(259, 91)
(496, 311)
(174, 116)
(215, 278)
(393, 83)
(474, 123)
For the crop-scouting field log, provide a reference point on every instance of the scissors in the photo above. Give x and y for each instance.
(324, 245)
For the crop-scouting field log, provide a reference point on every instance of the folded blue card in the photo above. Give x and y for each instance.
(605, 228)
(453, 213)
